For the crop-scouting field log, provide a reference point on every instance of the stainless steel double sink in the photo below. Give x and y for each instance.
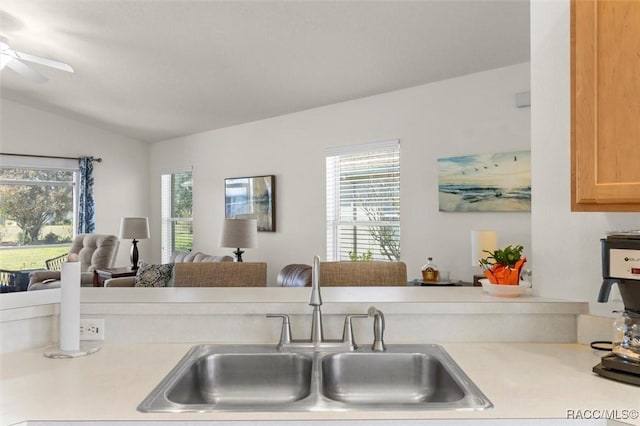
(262, 378)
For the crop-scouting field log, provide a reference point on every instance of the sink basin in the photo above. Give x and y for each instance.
(261, 378)
(232, 378)
(366, 378)
(257, 378)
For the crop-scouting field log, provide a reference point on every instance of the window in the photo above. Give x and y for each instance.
(38, 210)
(363, 202)
(177, 217)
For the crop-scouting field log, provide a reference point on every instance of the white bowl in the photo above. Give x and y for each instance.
(501, 290)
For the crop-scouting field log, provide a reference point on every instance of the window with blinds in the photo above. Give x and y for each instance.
(363, 202)
(176, 212)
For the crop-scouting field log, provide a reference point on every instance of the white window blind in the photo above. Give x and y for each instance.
(176, 212)
(363, 202)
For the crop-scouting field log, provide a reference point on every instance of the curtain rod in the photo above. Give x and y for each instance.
(96, 159)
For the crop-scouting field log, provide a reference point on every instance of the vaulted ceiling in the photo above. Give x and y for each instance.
(155, 70)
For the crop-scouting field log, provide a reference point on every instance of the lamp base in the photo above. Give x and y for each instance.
(238, 254)
(476, 280)
(134, 255)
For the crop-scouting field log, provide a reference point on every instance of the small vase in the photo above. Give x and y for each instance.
(503, 275)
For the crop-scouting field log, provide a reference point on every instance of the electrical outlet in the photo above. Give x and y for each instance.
(91, 329)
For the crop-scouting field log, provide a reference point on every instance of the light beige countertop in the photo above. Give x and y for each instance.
(523, 380)
(237, 315)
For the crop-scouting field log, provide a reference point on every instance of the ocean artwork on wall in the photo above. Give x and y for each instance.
(252, 198)
(498, 182)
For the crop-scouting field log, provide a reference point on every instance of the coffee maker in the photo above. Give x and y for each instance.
(621, 266)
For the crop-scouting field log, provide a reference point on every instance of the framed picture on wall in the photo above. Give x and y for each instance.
(496, 182)
(252, 198)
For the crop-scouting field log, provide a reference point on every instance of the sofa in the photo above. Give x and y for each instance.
(369, 273)
(220, 274)
(196, 269)
(196, 257)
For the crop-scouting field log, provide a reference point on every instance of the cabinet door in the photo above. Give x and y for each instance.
(605, 105)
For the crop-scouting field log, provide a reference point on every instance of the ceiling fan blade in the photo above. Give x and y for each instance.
(4, 60)
(23, 69)
(44, 61)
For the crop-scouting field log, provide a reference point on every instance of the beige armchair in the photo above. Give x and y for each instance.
(94, 251)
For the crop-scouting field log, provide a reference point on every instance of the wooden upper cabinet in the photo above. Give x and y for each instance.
(605, 105)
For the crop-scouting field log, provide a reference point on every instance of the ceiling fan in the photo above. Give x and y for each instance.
(16, 61)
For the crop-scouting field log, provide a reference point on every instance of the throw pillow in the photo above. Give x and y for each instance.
(154, 275)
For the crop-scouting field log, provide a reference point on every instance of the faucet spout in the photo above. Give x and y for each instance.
(315, 300)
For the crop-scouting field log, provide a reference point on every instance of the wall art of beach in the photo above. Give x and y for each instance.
(498, 182)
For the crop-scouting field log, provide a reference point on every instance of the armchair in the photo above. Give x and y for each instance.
(95, 251)
(295, 275)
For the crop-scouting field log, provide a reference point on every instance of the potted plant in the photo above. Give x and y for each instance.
(503, 266)
(365, 257)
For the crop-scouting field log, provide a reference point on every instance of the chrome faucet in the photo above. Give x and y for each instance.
(317, 339)
(378, 329)
(315, 300)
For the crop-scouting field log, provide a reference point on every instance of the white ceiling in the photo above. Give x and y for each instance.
(155, 70)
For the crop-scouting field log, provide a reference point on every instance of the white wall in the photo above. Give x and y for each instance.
(120, 180)
(468, 115)
(566, 245)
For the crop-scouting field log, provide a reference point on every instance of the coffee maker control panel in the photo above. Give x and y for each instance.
(624, 263)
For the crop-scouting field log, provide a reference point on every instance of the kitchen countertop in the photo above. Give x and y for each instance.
(523, 380)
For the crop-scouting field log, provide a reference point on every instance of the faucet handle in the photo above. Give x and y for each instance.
(378, 329)
(285, 333)
(347, 332)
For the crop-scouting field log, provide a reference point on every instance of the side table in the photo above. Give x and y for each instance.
(420, 282)
(101, 275)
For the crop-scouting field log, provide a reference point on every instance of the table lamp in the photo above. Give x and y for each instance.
(481, 242)
(237, 233)
(136, 228)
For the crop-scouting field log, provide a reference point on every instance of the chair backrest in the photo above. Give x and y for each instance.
(220, 274)
(95, 251)
(55, 263)
(369, 273)
(295, 275)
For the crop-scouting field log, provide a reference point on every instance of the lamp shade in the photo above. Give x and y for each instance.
(136, 228)
(481, 241)
(239, 233)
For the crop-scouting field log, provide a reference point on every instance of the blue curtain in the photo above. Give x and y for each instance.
(86, 210)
